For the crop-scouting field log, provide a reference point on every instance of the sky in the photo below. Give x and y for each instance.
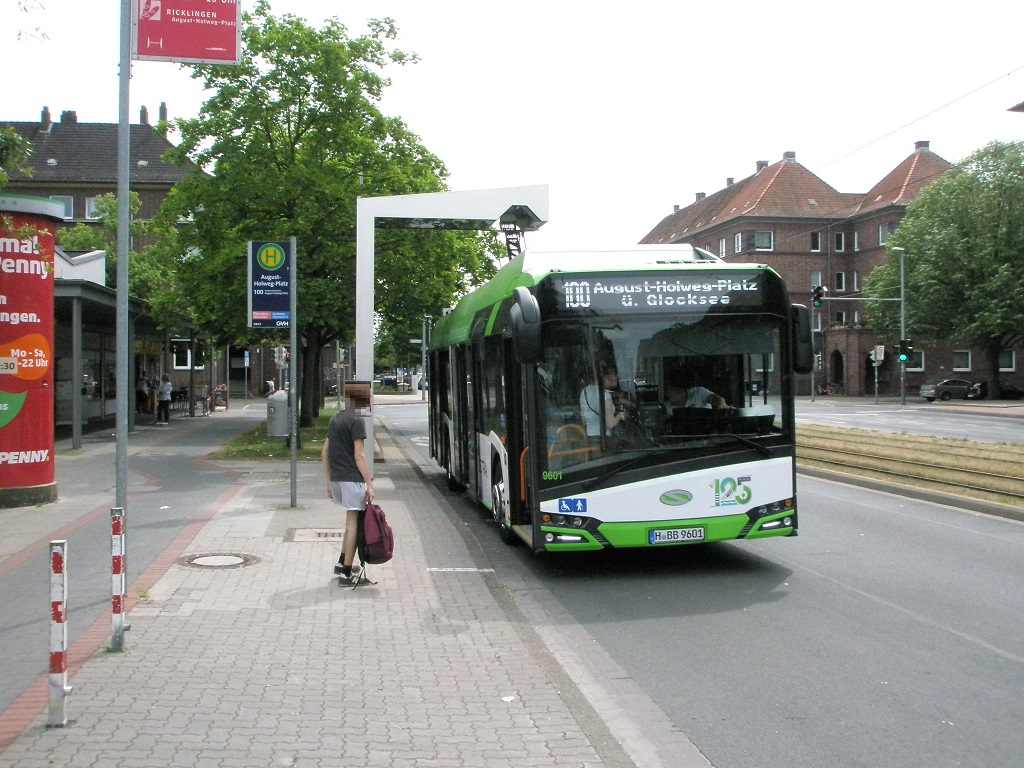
(623, 109)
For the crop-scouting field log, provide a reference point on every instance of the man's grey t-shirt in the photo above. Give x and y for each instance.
(342, 431)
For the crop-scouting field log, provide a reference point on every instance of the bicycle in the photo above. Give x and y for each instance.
(826, 389)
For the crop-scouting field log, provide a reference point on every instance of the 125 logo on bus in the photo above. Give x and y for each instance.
(731, 492)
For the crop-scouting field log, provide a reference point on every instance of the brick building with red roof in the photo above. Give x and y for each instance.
(811, 234)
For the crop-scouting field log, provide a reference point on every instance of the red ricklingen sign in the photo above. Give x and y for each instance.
(187, 31)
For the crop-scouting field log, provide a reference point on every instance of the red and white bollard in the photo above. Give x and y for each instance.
(59, 688)
(117, 577)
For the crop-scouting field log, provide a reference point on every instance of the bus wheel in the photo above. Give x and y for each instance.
(498, 511)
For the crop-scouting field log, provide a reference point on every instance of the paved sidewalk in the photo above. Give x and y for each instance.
(268, 662)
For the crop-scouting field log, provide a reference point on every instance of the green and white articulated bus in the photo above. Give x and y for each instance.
(523, 370)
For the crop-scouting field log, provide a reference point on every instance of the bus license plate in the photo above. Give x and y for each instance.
(675, 535)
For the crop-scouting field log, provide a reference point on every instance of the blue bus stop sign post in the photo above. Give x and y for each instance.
(270, 284)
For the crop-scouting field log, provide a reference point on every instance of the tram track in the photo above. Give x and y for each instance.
(988, 472)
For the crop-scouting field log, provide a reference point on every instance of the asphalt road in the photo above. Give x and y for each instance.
(988, 422)
(887, 634)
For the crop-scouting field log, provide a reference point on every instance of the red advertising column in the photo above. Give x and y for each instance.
(27, 226)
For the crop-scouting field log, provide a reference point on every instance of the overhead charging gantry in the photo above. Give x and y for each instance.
(513, 208)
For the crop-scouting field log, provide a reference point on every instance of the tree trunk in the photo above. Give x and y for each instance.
(992, 350)
(312, 354)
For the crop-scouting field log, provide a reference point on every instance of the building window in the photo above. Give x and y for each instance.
(721, 247)
(840, 282)
(737, 243)
(856, 240)
(90, 208)
(815, 279)
(962, 360)
(916, 361)
(840, 318)
(764, 241)
(856, 281)
(884, 230)
(856, 317)
(1008, 361)
(183, 356)
(69, 205)
(815, 242)
(840, 241)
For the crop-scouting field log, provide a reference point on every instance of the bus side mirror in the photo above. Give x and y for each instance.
(803, 349)
(525, 316)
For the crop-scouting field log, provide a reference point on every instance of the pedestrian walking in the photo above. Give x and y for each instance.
(163, 415)
(349, 482)
(141, 393)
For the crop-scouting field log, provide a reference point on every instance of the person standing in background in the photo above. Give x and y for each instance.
(163, 410)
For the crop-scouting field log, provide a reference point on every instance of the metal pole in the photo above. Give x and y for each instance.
(117, 579)
(903, 326)
(293, 369)
(337, 373)
(123, 245)
(423, 358)
(814, 365)
(58, 685)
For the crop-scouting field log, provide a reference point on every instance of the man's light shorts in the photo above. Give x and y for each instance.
(349, 495)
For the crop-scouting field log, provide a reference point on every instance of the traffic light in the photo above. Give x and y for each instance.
(816, 296)
(906, 347)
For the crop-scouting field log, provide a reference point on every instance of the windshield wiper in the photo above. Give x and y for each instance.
(763, 449)
(591, 484)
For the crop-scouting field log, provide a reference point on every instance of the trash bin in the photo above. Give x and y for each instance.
(278, 423)
(220, 397)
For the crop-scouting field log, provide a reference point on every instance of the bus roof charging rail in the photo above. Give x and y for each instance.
(525, 315)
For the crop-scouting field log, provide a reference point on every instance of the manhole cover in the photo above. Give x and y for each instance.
(219, 560)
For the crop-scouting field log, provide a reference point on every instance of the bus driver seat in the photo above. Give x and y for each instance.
(571, 442)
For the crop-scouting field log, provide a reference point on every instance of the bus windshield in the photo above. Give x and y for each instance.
(617, 389)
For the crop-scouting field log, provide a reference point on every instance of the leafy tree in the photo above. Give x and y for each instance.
(147, 274)
(291, 138)
(28, 6)
(964, 254)
(14, 152)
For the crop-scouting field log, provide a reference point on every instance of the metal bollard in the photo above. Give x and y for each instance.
(118, 582)
(59, 688)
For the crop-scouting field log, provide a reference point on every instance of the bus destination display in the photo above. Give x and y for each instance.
(652, 293)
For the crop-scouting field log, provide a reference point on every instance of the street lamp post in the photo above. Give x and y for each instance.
(903, 324)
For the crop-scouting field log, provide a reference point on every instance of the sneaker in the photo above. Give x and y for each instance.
(358, 577)
(337, 569)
